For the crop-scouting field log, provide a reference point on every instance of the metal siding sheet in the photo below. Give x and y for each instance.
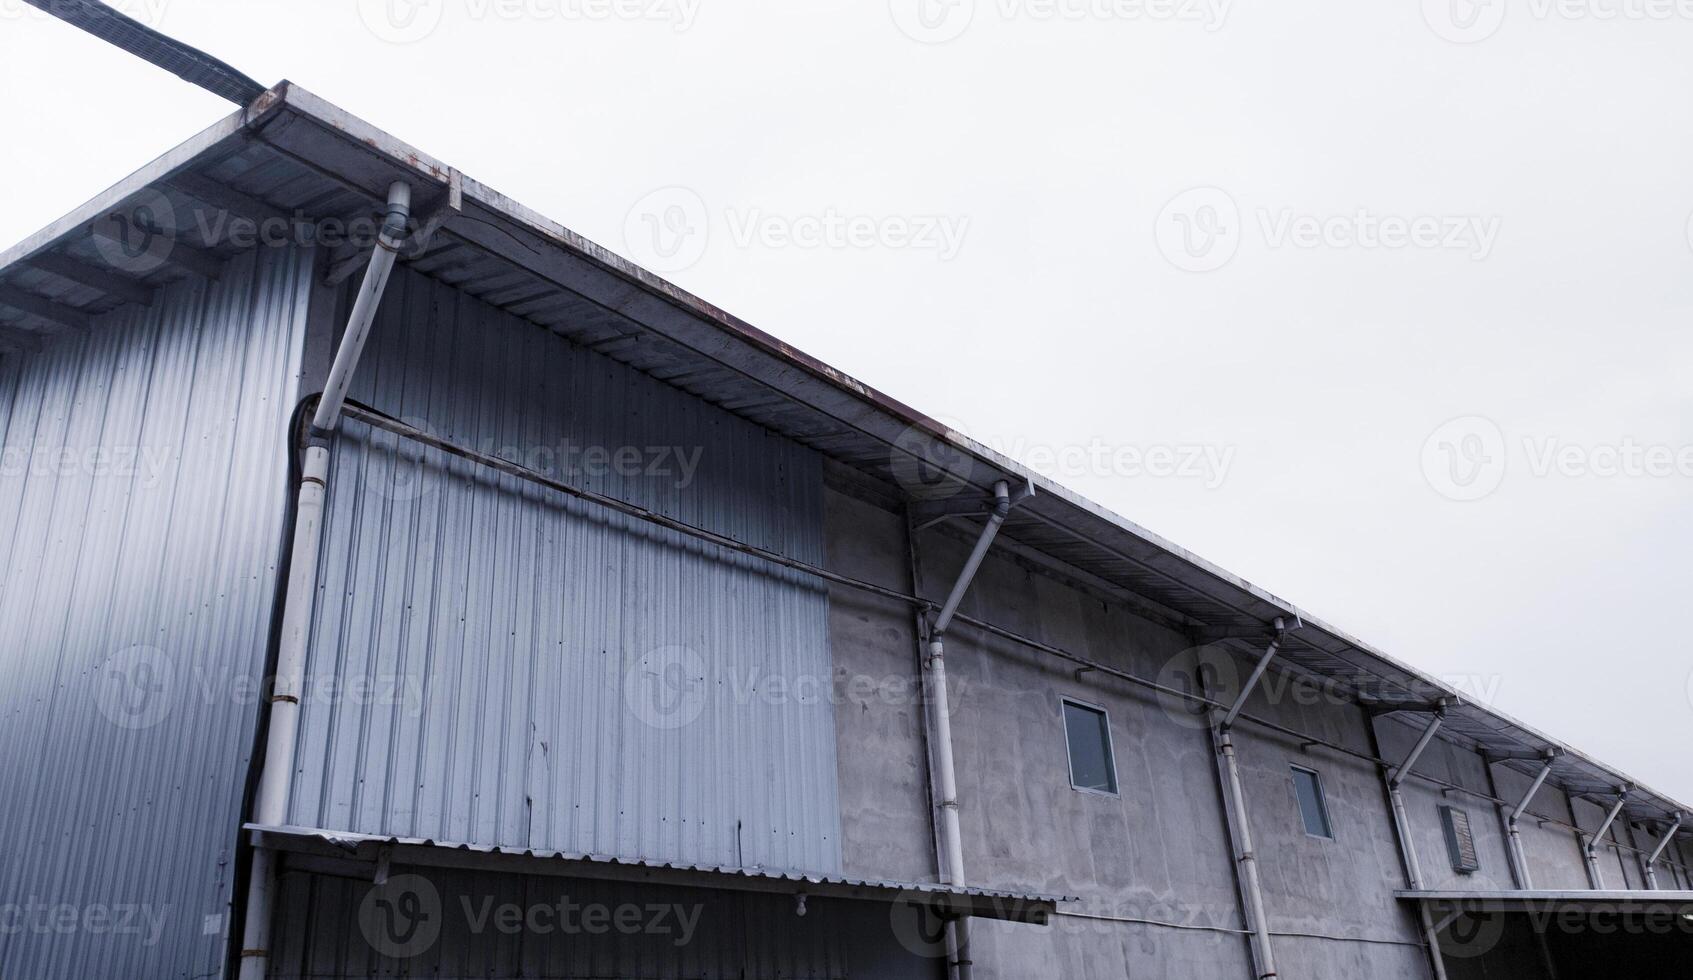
(124, 786)
(515, 626)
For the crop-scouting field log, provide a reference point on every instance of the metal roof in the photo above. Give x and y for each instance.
(290, 153)
(979, 902)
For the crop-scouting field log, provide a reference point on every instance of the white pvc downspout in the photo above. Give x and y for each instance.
(1408, 846)
(1524, 879)
(1239, 825)
(1264, 959)
(270, 805)
(1591, 852)
(940, 726)
(1657, 852)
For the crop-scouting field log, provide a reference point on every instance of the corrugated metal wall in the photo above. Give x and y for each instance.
(541, 673)
(135, 589)
(334, 927)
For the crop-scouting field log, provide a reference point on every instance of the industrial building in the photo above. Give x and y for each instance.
(398, 584)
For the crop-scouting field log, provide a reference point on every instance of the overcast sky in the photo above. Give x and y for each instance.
(1383, 306)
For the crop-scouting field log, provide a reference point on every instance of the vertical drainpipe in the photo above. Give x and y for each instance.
(270, 805)
(940, 727)
(1657, 852)
(1590, 853)
(1520, 857)
(1240, 828)
(1408, 846)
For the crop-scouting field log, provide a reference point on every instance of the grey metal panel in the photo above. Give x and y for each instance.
(516, 639)
(134, 600)
(734, 935)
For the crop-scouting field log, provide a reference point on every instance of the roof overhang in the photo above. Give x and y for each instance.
(1679, 902)
(290, 154)
(366, 857)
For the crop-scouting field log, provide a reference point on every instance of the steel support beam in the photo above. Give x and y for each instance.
(69, 269)
(43, 308)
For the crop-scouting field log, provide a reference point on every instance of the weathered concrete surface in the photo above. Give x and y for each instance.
(1340, 889)
(1554, 858)
(881, 754)
(1461, 767)
(1157, 853)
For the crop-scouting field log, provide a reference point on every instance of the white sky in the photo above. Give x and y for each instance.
(1555, 155)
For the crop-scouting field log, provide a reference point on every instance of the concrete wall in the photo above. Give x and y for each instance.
(1554, 855)
(1333, 898)
(1157, 853)
(1456, 765)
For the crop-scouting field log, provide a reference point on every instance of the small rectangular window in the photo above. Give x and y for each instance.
(1088, 733)
(1460, 842)
(1313, 809)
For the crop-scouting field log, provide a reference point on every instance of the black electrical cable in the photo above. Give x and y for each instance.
(185, 62)
(297, 422)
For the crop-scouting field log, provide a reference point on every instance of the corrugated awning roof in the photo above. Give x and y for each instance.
(1517, 901)
(947, 900)
(290, 155)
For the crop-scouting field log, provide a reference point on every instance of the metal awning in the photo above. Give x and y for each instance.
(1538, 899)
(368, 857)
